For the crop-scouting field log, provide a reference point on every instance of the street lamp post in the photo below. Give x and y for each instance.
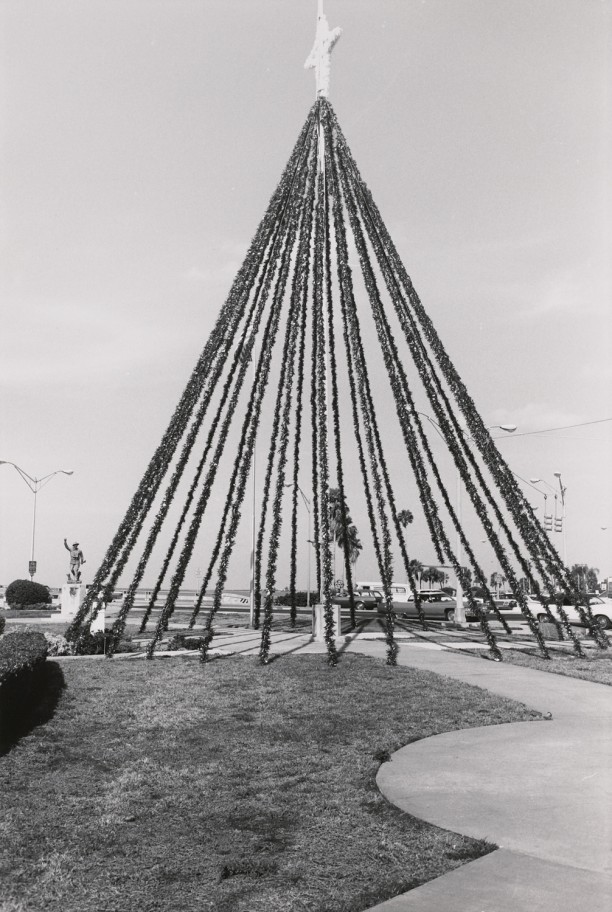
(562, 490)
(307, 505)
(509, 429)
(608, 579)
(34, 484)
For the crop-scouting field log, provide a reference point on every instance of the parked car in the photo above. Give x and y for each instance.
(505, 603)
(441, 608)
(367, 601)
(600, 608)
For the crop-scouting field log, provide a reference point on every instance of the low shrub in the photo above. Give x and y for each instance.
(95, 643)
(181, 641)
(89, 643)
(38, 606)
(58, 645)
(26, 594)
(2, 624)
(125, 644)
(284, 598)
(29, 612)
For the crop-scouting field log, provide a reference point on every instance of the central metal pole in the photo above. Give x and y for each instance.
(252, 592)
(459, 610)
(309, 547)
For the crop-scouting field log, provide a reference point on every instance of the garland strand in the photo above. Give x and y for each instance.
(336, 412)
(385, 564)
(250, 430)
(165, 506)
(352, 338)
(430, 334)
(223, 332)
(396, 374)
(281, 266)
(413, 341)
(282, 418)
(319, 377)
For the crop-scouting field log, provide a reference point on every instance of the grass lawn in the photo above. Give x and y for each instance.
(596, 667)
(223, 620)
(233, 787)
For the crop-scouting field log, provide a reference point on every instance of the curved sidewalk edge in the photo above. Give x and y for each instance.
(541, 791)
(507, 881)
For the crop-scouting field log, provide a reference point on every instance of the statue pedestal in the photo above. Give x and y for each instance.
(70, 601)
(318, 622)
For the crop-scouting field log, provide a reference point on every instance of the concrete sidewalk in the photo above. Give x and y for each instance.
(542, 791)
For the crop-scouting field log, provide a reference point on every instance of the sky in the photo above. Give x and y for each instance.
(141, 141)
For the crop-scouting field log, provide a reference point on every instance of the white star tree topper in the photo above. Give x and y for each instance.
(319, 58)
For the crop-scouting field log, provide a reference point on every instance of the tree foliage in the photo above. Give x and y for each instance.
(585, 578)
(21, 593)
(404, 518)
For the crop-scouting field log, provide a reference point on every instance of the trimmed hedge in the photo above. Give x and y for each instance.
(20, 652)
(24, 684)
(24, 593)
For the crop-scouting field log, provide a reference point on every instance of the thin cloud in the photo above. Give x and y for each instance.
(227, 263)
(84, 344)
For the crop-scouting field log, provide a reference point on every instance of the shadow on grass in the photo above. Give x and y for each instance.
(28, 704)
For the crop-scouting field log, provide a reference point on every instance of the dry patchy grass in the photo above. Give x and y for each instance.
(596, 666)
(228, 787)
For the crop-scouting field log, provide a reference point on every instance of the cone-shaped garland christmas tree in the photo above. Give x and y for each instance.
(289, 368)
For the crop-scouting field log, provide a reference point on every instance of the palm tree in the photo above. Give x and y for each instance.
(417, 570)
(437, 576)
(584, 577)
(337, 526)
(592, 579)
(353, 544)
(465, 577)
(427, 576)
(334, 513)
(497, 580)
(404, 518)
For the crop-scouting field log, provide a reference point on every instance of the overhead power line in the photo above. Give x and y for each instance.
(564, 427)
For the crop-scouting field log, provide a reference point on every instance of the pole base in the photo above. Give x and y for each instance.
(318, 622)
